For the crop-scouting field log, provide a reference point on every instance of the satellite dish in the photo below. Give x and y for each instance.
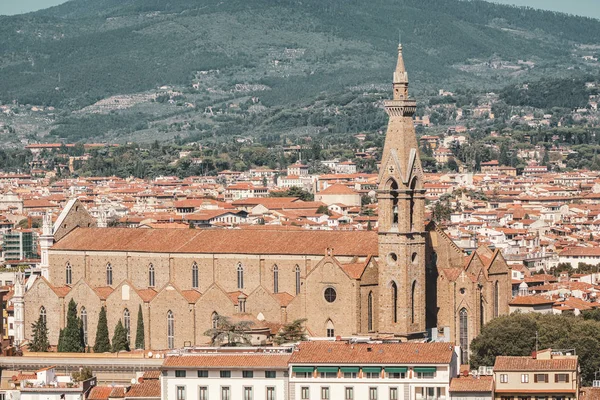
(149, 354)
(133, 381)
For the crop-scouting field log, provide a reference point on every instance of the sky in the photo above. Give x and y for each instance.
(588, 8)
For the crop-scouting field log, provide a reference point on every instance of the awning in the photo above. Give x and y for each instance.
(372, 369)
(425, 369)
(303, 369)
(396, 369)
(327, 369)
(350, 369)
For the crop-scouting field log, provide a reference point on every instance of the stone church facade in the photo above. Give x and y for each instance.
(399, 282)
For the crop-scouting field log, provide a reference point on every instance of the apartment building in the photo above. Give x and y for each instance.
(546, 375)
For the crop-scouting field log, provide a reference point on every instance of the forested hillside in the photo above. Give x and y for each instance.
(290, 55)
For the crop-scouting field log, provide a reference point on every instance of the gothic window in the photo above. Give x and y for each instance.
(297, 271)
(329, 328)
(275, 279)
(464, 334)
(170, 330)
(370, 312)
(195, 276)
(240, 276)
(43, 314)
(394, 302)
(481, 310)
(151, 276)
(413, 187)
(496, 299)
(68, 274)
(84, 324)
(127, 323)
(413, 293)
(215, 320)
(109, 275)
(394, 193)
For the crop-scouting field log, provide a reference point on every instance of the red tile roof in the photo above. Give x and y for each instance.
(231, 360)
(512, 363)
(146, 389)
(100, 393)
(530, 301)
(351, 243)
(376, 353)
(472, 384)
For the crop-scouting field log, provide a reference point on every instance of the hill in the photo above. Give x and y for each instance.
(286, 52)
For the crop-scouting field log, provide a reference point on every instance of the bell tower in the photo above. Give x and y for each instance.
(401, 226)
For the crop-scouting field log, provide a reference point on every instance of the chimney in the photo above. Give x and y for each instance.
(534, 355)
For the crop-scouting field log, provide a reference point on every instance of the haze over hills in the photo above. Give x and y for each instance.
(285, 52)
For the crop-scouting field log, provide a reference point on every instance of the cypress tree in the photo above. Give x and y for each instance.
(39, 342)
(139, 333)
(119, 341)
(72, 338)
(102, 344)
(61, 345)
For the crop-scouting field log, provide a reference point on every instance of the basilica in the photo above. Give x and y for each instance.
(406, 281)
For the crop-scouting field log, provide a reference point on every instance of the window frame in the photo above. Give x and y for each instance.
(247, 374)
(373, 393)
(225, 389)
(202, 373)
(270, 374)
(225, 373)
(349, 393)
(202, 392)
(180, 392)
(325, 393)
(180, 373)
(304, 392)
(524, 378)
(503, 378)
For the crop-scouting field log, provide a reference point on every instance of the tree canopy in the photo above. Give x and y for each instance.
(515, 335)
(228, 333)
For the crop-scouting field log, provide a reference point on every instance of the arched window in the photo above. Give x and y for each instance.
(464, 334)
(170, 330)
(329, 328)
(151, 280)
(275, 279)
(297, 272)
(195, 276)
(394, 302)
(84, 324)
(68, 274)
(394, 193)
(370, 312)
(496, 299)
(413, 293)
(413, 187)
(127, 324)
(240, 276)
(215, 320)
(109, 280)
(43, 315)
(481, 310)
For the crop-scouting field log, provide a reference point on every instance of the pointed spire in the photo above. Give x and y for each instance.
(400, 77)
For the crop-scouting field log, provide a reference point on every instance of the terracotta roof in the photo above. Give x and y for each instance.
(228, 360)
(530, 301)
(191, 296)
(580, 251)
(376, 353)
(145, 389)
(117, 392)
(146, 294)
(354, 270)
(511, 363)
(589, 393)
(151, 375)
(302, 242)
(283, 298)
(61, 291)
(337, 188)
(103, 292)
(100, 393)
(472, 384)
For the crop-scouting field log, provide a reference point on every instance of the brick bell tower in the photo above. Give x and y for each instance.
(401, 219)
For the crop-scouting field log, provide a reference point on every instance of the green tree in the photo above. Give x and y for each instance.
(72, 338)
(139, 333)
(295, 191)
(83, 374)
(102, 344)
(119, 340)
(227, 333)
(323, 210)
(39, 341)
(292, 332)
